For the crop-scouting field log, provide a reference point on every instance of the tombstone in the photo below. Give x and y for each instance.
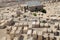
(18, 31)
(29, 33)
(46, 36)
(40, 35)
(51, 36)
(12, 33)
(25, 30)
(34, 35)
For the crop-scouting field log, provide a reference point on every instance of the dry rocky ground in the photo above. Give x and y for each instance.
(51, 8)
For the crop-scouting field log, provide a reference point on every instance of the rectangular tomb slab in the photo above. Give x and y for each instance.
(29, 32)
(12, 33)
(18, 31)
(25, 30)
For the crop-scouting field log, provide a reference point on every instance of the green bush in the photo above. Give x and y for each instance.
(35, 14)
(43, 10)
